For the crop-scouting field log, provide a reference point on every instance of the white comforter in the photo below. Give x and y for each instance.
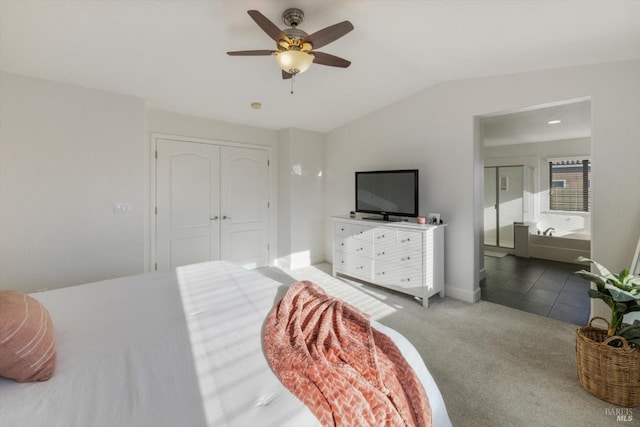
(173, 348)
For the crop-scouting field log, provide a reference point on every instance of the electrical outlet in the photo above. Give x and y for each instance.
(121, 208)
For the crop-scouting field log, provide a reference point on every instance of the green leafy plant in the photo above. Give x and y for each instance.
(621, 292)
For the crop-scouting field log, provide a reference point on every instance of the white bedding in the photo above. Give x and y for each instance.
(173, 348)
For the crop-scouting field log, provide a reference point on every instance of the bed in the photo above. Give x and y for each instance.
(170, 348)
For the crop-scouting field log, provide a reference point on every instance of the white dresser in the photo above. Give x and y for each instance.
(404, 256)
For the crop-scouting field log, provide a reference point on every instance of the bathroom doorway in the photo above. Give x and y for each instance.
(519, 153)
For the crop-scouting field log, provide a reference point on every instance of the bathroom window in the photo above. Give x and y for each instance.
(570, 185)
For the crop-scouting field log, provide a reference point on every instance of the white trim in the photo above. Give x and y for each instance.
(155, 136)
(635, 263)
(150, 225)
(462, 294)
(568, 158)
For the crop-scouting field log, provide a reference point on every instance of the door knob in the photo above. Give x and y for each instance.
(226, 217)
(215, 218)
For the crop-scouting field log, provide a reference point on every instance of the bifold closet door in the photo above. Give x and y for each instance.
(188, 203)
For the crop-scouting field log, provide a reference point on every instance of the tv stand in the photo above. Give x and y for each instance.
(403, 256)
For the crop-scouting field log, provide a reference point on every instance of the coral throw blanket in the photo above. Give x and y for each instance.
(349, 374)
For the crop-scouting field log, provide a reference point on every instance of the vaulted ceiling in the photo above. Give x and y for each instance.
(173, 53)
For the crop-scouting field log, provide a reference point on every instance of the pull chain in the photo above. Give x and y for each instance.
(293, 79)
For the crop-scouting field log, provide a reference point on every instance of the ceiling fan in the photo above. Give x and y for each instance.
(294, 48)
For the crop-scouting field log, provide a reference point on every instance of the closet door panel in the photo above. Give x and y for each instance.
(244, 206)
(188, 203)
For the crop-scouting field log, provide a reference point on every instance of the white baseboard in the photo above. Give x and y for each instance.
(283, 263)
(286, 264)
(462, 294)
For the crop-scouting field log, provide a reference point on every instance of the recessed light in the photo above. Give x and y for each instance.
(256, 105)
(554, 122)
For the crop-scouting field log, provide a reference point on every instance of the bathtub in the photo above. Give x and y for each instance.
(562, 246)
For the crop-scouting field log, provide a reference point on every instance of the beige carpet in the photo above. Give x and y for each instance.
(494, 365)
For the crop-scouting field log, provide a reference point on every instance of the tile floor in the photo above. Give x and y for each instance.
(545, 288)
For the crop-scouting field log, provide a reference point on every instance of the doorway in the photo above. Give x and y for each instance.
(531, 139)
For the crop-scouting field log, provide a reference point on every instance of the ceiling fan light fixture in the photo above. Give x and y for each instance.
(294, 61)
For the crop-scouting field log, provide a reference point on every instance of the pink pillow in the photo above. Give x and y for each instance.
(27, 342)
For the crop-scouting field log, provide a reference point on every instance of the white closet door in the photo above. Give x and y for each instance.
(244, 200)
(188, 203)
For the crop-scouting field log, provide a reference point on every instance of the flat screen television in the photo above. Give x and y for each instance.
(388, 193)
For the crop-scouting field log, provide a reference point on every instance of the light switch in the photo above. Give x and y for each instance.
(121, 208)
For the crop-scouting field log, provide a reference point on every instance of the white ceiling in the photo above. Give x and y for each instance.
(532, 124)
(173, 52)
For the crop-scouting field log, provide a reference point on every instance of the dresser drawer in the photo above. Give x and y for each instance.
(409, 281)
(342, 229)
(396, 270)
(383, 237)
(386, 239)
(409, 239)
(405, 276)
(362, 232)
(356, 231)
(398, 256)
(353, 265)
(353, 246)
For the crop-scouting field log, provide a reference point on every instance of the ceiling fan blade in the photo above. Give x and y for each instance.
(267, 26)
(329, 34)
(330, 60)
(251, 53)
(286, 75)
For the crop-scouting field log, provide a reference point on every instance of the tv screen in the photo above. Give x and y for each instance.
(387, 192)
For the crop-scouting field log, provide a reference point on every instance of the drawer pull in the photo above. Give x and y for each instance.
(380, 253)
(408, 239)
(405, 258)
(380, 237)
(341, 244)
(359, 249)
(342, 229)
(382, 272)
(405, 280)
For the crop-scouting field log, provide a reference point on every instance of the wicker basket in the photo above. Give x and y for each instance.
(609, 373)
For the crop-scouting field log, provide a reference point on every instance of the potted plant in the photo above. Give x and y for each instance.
(621, 292)
(608, 361)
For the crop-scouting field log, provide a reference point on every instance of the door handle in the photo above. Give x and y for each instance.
(226, 217)
(215, 218)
